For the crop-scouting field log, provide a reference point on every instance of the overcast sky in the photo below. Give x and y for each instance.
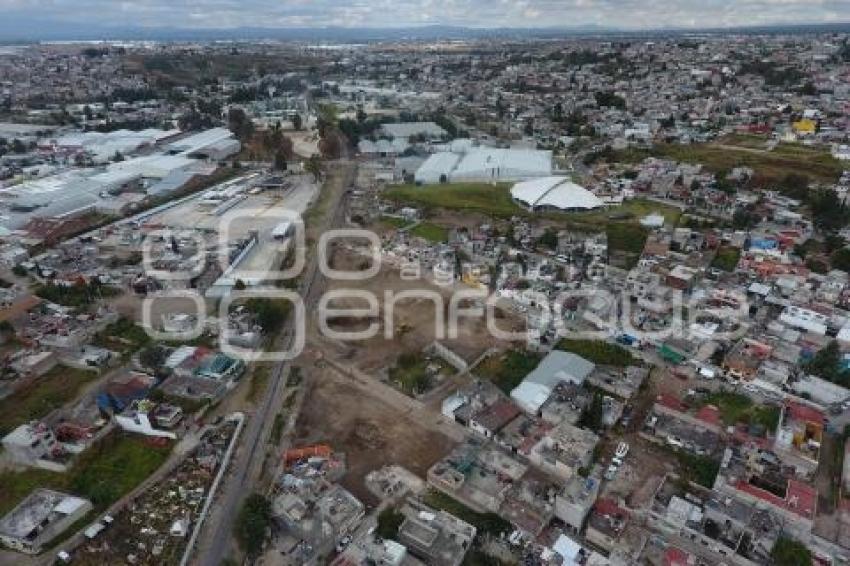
(631, 14)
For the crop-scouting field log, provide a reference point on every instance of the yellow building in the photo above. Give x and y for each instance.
(805, 126)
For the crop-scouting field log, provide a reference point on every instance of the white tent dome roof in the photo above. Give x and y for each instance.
(555, 192)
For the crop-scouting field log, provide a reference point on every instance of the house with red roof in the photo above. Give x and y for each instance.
(799, 436)
(674, 556)
(606, 524)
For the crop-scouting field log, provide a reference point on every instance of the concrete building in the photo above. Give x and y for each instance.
(564, 450)
(31, 443)
(435, 536)
(147, 418)
(39, 518)
(574, 503)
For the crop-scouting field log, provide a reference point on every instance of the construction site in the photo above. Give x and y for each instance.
(382, 427)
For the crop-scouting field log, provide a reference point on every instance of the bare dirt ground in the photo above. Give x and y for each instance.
(414, 319)
(370, 430)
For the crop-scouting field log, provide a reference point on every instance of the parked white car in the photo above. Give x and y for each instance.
(622, 450)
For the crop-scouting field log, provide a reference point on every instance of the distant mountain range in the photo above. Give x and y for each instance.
(27, 29)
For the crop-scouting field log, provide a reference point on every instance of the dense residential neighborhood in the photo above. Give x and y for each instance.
(580, 299)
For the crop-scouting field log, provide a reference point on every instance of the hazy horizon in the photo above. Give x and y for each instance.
(44, 18)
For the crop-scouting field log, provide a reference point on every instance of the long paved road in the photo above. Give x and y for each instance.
(248, 461)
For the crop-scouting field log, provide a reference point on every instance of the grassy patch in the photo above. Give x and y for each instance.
(625, 243)
(103, 473)
(495, 201)
(700, 470)
(738, 408)
(492, 200)
(45, 394)
(754, 141)
(785, 159)
(393, 222)
(599, 352)
(79, 295)
(486, 523)
(411, 374)
(123, 336)
(726, 258)
(259, 381)
(508, 370)
(277, 428)
(431, 232)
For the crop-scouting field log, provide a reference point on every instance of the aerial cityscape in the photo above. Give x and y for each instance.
(368, 283)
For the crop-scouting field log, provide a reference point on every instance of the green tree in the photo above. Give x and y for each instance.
(153, 356)
(592, 415)
(549, 239)
(841, 259)
(827, 364)
(252, 524)
(239, 123)
(795, 185)
(789, 552)
(389, 521)
(314, 167)
(828, 213)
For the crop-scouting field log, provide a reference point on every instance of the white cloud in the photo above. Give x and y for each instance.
(399, 13)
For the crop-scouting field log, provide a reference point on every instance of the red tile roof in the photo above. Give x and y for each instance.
(710, 414)
(606, 506)
(800, 499)
(670, 402)
(497, 415)
(677, 557)
(804, 413)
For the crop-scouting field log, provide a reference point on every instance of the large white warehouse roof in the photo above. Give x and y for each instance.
(554, 192)
(503, 164)
(485, 164)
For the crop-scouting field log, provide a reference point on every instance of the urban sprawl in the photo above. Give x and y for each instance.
(579, 301)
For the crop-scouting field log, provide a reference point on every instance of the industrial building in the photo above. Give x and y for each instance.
(554, 193)
(113, 187)
(555, 368)
(215, 144)
(102, 147)
(485, 164)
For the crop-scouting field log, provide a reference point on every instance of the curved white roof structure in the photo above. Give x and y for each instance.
(554, 192)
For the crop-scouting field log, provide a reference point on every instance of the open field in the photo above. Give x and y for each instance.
(371, 431)
(103, 473)
(43, 395)
(431, 232)
(123, 336)
(599, 352)
(738, 408)
(194, 68)
(507, 370)
(726, 258)
(785, 159)
(414, 319)
(495, 201)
